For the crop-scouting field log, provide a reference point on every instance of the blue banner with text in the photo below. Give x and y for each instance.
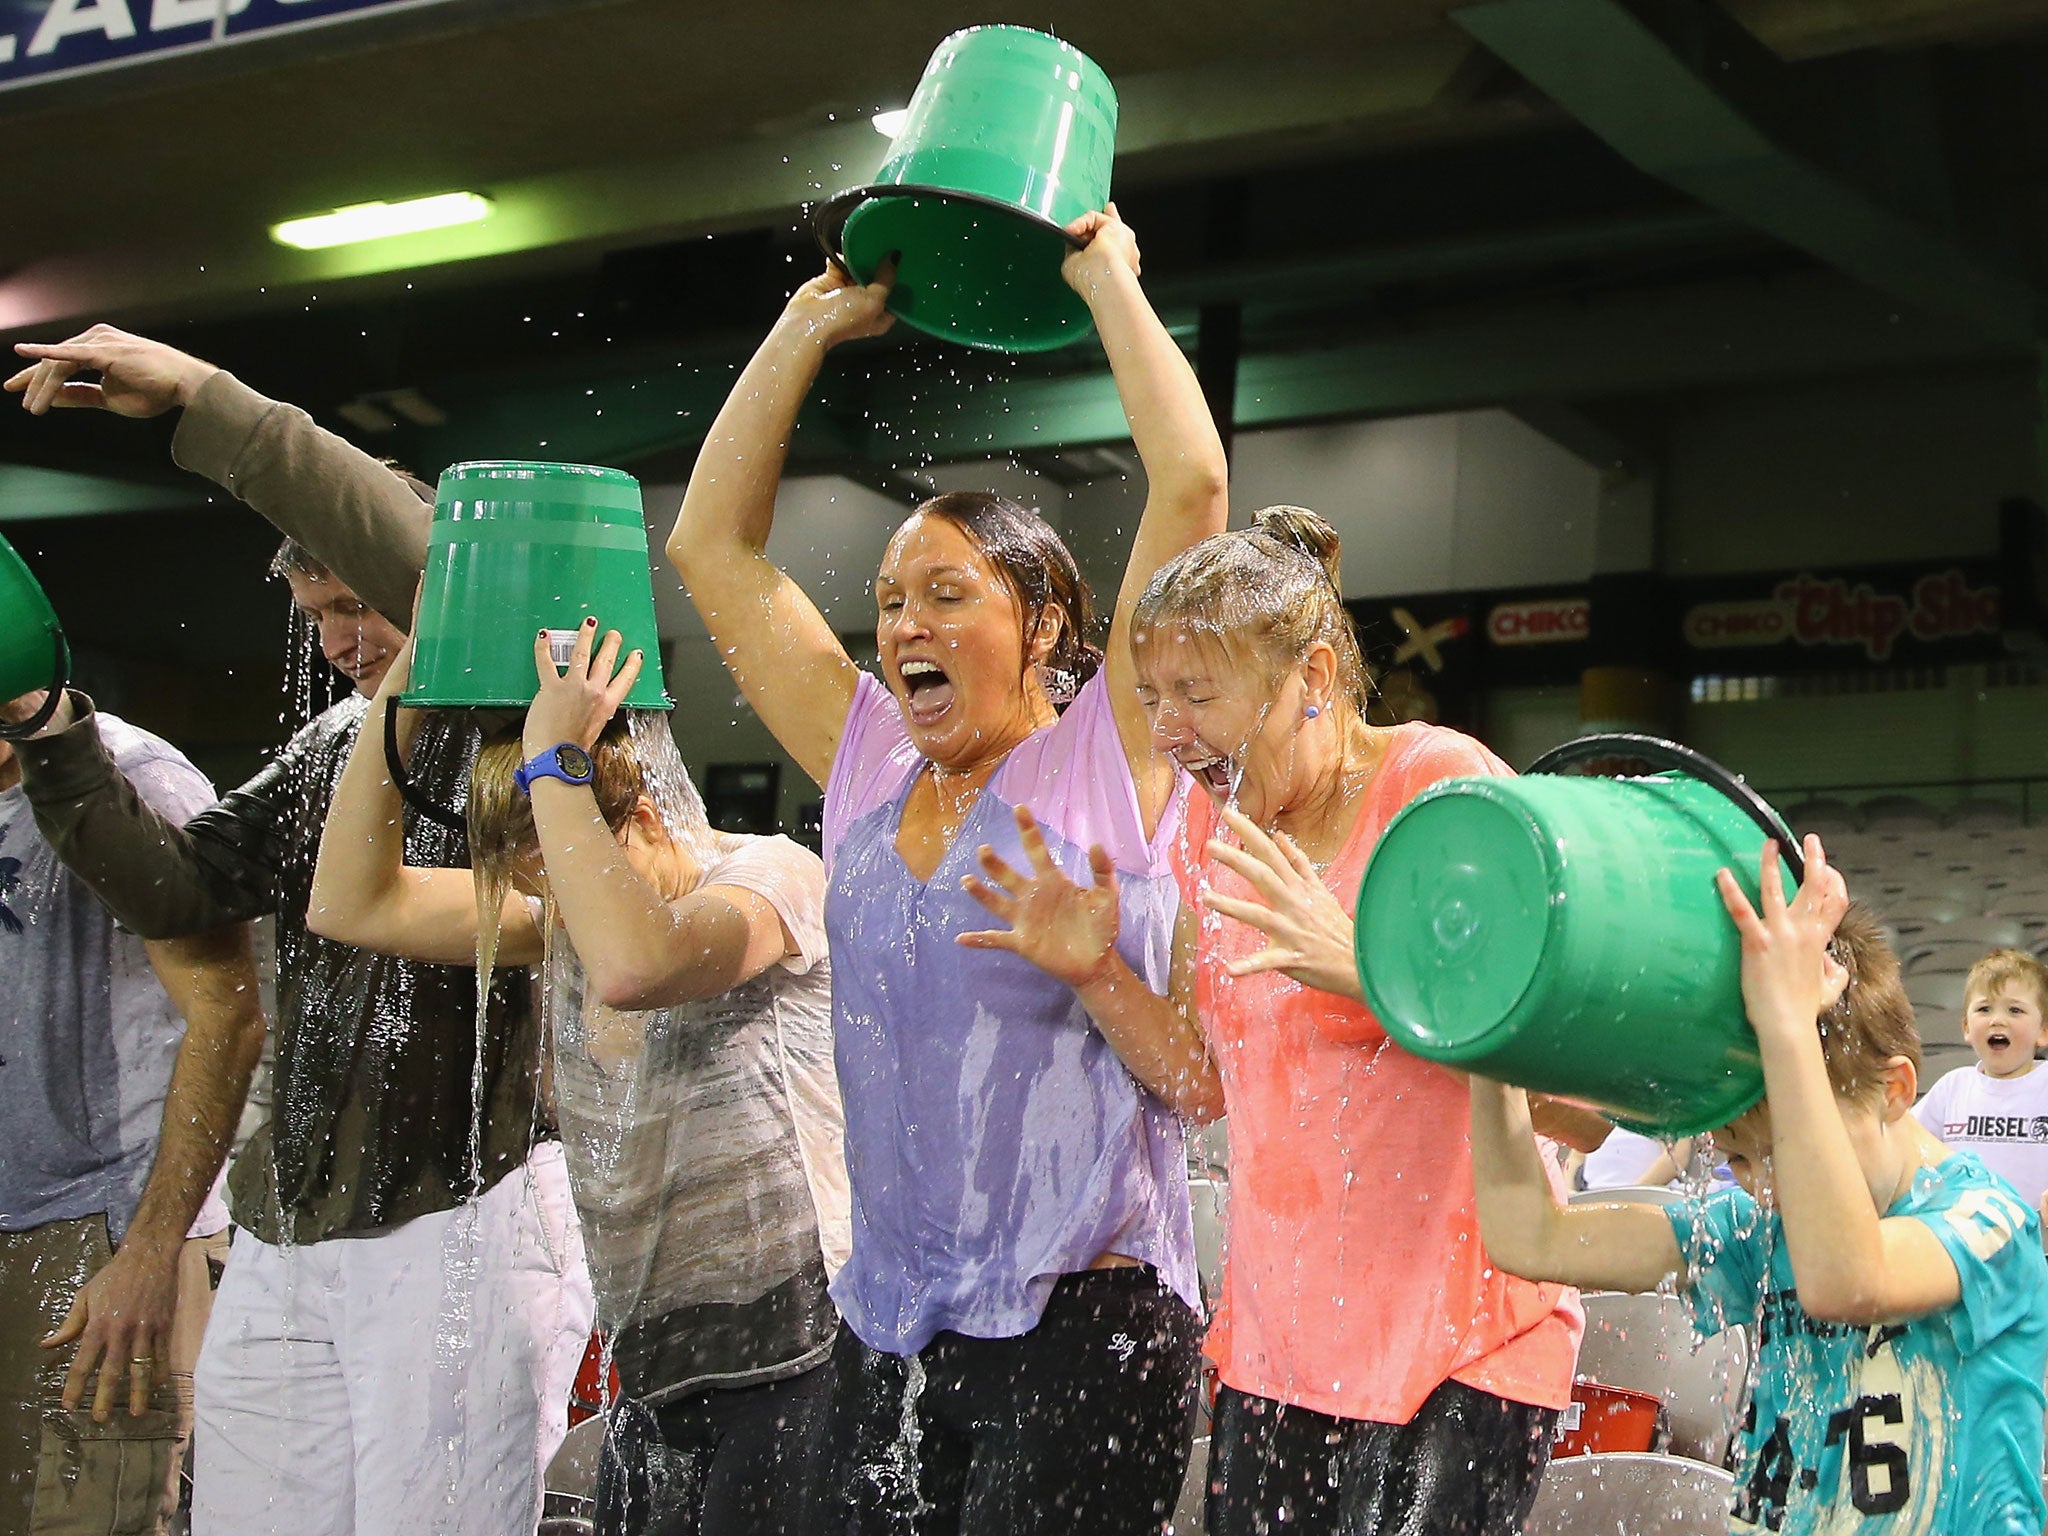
(50, 39)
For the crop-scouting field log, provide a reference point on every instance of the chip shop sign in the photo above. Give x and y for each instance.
(51, 39)
(1873, 616)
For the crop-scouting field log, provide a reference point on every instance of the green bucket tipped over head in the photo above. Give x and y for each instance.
(1565, 935)
(519, 547)
(33, 652)
(1007, 140)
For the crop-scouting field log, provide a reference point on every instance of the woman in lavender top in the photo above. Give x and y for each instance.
(1020, 1335)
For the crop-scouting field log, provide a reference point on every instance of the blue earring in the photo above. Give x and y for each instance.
(1312, 711)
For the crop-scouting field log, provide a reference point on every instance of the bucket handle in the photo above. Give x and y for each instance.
(828, 223)
(60, 679)
(1669, 754)
(408, 790)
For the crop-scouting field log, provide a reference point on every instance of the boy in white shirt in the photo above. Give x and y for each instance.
(1998, 1108)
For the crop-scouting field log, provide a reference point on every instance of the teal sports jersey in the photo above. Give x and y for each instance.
(1927, 1428)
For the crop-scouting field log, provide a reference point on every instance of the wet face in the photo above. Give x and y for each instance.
(1228, 723)
(1746, 1143)
(948, 633)
(357, 641)
(2004, 1028)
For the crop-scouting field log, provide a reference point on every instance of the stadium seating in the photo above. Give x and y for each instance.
(1623, 1493)
(1645, 1344)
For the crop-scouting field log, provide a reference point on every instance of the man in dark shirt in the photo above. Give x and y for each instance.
(397, 1329)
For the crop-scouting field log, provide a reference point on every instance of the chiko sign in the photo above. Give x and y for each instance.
(1873, 616)
(1545, 621)
(47, 39)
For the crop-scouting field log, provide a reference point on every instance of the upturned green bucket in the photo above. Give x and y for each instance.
(33, 651)
(517, 547)
(1008, 139)
(1565, 934)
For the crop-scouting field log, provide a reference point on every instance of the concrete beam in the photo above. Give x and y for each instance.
(1689, 97)
(881, 408)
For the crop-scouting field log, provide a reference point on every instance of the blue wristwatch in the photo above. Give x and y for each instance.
(565, 761)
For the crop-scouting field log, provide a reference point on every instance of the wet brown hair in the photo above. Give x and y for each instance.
(1039, 570)
(1872, 1021)
(1991, 974)
(501, 814)
(293, 559)
(1265, 593)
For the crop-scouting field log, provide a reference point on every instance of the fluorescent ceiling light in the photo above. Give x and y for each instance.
(379, 221)
(889, 124)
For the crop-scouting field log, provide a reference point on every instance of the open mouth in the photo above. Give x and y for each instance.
(927, 691)
(1998, 1040)
(1213, 770)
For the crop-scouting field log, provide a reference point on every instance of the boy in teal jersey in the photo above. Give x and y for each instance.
(1896, 1290)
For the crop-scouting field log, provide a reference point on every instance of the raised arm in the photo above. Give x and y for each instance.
(122, 1315)
(1186, 475)
(1851, 1263)
(638, 948)
(365, 894)
(1526, 1231)
(354, 514)
(786, 659)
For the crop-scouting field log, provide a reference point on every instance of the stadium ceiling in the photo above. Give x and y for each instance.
(1403, 205)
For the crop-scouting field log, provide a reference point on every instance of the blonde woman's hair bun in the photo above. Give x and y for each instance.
(1299, 529)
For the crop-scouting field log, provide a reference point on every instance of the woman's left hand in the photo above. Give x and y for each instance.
(1308, 933)
(575, 704)
(1107, 245)
(1065, 929)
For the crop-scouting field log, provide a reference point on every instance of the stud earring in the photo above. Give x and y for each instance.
(1312, 711)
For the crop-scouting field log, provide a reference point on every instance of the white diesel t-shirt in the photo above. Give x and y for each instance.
(2003, 1120)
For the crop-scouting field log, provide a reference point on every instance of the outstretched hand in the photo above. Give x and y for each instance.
(1309, 934)
(137, 377)
(832, 307)
(1066, 930)
(1108, 246)
(1788, 976)
(575, 704)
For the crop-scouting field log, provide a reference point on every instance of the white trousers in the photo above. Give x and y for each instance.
(414, 1383)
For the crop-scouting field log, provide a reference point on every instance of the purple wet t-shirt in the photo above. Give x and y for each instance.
(994, 1141)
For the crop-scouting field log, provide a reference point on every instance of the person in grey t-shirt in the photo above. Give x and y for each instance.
(688, 1000)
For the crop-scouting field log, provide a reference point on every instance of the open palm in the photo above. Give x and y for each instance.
(1066, 930)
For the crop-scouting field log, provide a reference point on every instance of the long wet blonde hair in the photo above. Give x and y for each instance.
(501, 830)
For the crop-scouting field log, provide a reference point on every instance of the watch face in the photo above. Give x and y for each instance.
(573, 761)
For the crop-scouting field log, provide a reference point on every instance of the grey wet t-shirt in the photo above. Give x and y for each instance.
(705, 1146)
(87, 1036)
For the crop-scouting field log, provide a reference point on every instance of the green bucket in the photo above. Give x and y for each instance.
(520, 547)
(33, 651)
(1565, 934)
(1008, 139)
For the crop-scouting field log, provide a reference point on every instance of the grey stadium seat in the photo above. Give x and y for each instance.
(1627, 1493)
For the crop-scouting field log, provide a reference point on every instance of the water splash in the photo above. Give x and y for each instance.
(305, 671)
(493, 880)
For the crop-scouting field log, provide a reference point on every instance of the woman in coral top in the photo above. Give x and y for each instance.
(1378, 1374)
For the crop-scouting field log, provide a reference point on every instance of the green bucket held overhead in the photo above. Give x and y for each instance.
(519, 547)
(33, 651)
(1008, 139)
(1565, 935)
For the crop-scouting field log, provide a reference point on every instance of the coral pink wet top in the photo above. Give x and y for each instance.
(1354, 1281)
